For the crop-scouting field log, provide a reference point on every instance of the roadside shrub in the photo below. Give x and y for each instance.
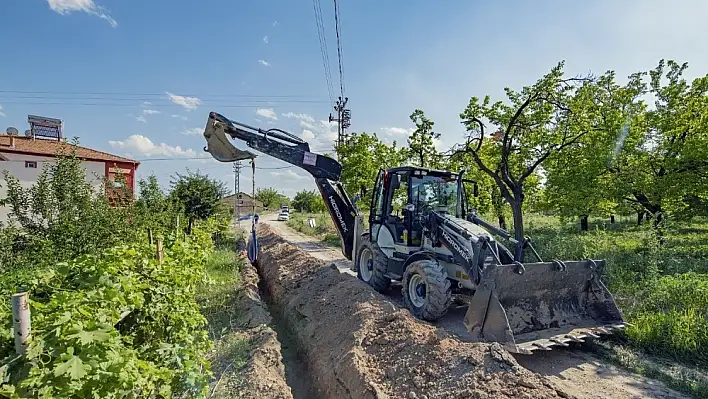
(115, 324)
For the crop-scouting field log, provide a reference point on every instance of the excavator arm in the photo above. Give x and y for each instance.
(293, 150)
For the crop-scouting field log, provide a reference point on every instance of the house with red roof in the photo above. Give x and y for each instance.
(24, 157)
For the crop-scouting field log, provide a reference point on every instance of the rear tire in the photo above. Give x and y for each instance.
(371, 264)
(426, 290)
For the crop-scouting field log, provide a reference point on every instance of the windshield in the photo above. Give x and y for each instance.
(434, 193)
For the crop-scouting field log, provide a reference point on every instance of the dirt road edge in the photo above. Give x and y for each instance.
(360, 345)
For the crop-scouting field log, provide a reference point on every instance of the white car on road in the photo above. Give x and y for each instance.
(283, 215)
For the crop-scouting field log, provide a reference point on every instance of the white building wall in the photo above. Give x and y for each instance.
(15, 165)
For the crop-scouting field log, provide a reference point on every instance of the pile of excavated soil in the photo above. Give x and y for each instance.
(264, 374)
(360, 345)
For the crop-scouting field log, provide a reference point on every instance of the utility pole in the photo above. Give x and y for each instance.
(237, 192)
(343, 120)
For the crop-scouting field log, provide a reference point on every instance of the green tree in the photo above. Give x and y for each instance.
(539, 121)
(421, 145)
(63, 215)
(308, 201)
(270, 197)
(663, 165)
(153, 207)
(197, 195)
(579, 182)
(362, 157)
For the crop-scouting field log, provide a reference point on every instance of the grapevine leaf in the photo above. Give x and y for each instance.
(87, 337)
(74, 367)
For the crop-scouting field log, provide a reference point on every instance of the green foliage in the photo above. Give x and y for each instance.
(198, 195)
(271, 198)
(115, 324)
(421, 145)
(362, 157)
(308, 201)
(537, 122)
(60, 217)
(153, 209)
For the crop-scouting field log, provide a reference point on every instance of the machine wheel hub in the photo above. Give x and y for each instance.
(417, 290)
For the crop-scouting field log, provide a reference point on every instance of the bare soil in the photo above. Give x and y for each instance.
(390, 339)
(359, 344)
(263, 376)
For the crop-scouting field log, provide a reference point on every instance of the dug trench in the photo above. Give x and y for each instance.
(264, 373)
(356, 343)
(576, 372)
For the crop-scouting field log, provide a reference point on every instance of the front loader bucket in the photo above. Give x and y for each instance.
(535, 306)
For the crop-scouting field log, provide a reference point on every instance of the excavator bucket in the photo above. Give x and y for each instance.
(536, 306)
(220, 148)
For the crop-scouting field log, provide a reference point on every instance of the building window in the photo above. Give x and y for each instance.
(31, 164)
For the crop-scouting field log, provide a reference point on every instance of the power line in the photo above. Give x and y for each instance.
(339, 47)
(265, 100)
(105, 104)
(323, 48)
(108, 93)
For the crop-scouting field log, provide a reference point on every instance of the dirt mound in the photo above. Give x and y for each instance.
(360, 345)
(264, 374)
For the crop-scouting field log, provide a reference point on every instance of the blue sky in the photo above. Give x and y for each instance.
(186, 58)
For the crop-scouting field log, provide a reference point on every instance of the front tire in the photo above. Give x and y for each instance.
(426, 290)
(371, 264)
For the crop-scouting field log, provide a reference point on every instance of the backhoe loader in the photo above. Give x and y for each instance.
(422, 234)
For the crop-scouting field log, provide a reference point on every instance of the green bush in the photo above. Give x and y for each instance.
(120, 323)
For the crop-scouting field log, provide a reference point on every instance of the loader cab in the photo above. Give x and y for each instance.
(401, 198)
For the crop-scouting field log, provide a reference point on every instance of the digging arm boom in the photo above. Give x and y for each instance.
(291, 149)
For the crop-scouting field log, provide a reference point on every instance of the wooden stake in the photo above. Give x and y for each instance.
(150, 236)
(21, 321)
(160, 251)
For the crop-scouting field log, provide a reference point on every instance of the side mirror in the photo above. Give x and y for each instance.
(409, 207)
(475, 190)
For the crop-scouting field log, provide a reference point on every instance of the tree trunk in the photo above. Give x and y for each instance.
(189, 226)
(584, 222)
(640, 217)
(518, 229)
(612, 219)
(502, 221)
(659, 226)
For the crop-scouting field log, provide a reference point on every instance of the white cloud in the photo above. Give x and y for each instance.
(307, 135)
(195, 131)
(319, 134)
(1, 113)
(397, 131)
(64, 7)
(141, 118)
(184, 118)
(141, 145)
(189, 103)
(275, 23)
(264, 62)
(265, 39)
(267, 113)
(302, 117)
(145, 103)
(287, 174)
(150, 112)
